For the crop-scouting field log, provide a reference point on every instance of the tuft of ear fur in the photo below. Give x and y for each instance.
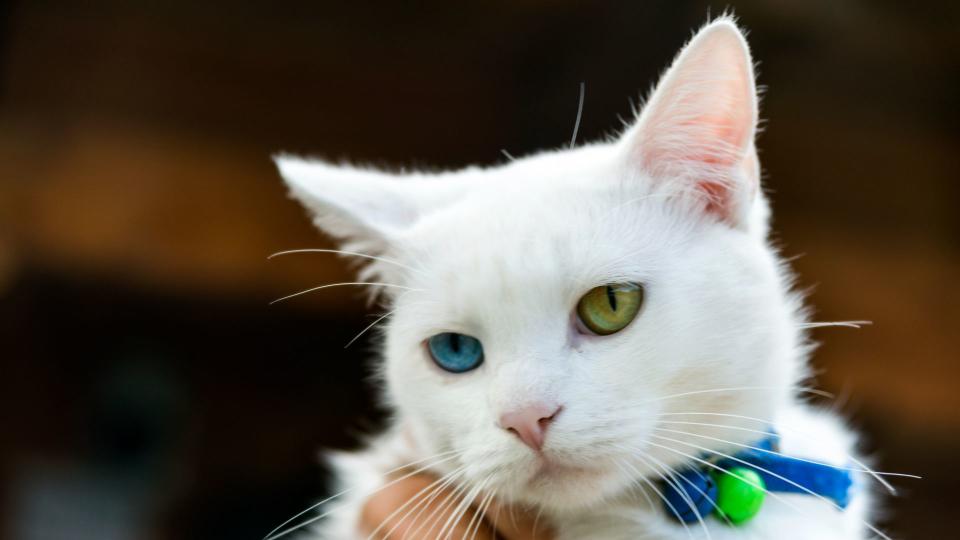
(699, 124)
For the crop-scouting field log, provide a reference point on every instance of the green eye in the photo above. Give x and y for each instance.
(607, 309)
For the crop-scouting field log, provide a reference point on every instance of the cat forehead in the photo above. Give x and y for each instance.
(523, 236)
(559, 192)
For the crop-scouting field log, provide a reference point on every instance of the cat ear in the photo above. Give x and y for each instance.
(365, 208)
(698, 126)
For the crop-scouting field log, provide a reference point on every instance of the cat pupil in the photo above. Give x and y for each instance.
(455, 343)
(612, 298)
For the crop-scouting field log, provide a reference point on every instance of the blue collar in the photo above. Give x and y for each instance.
(711, 485)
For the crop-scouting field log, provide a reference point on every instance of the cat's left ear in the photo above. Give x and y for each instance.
(366, 209)
(697, 129)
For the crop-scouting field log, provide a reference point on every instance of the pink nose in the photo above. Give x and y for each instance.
(530, 423)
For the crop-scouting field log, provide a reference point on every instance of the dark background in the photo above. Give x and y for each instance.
(150, 392)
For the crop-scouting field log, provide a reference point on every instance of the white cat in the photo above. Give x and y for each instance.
(569, 326)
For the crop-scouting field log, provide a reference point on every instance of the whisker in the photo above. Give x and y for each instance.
(437, 514)
(513, 516)
(721, 469)
(853, 459)
(725, 415)
(633, 484)
(460, 509)
(799, 389)
(433, 496)
(673, 473)
(273, 535)
(467, 508)
(409, 501)
(496, 520)
(847, 324)
(771, 473)
(576, 125)
(327, 286)
(344, 252)
(368, 327)
(428, 489)
(772, 452)
(477, 516)
(659, 493)
(536, 521)
(686, 498)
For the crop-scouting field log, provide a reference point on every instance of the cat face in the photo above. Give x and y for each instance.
(492, 350)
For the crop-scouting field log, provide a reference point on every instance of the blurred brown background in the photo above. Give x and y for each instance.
(150, 392)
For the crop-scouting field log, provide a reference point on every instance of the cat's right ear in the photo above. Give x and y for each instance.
(364, 208)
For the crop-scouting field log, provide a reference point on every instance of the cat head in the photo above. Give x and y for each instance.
(565, 322)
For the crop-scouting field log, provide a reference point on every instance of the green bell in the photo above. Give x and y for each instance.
(740, 494)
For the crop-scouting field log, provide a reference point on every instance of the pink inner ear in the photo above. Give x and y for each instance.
(724, 198)
(722, 193)
(718, 199)
(711, 150)
(698, 126)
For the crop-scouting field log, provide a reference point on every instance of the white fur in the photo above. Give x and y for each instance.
(504, 253)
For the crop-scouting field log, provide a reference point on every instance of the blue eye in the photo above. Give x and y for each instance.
(455, 353)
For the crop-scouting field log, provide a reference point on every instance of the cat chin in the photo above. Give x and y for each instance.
(563, 487)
